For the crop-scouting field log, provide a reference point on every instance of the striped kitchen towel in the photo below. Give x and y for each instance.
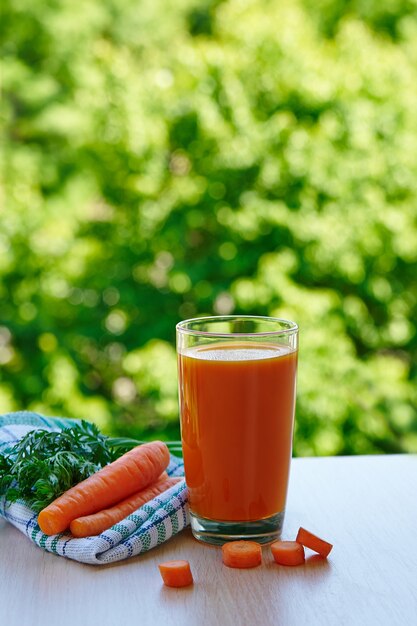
(150, 525)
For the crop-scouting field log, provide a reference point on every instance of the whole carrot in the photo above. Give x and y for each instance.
(132, 472)
(102, 520)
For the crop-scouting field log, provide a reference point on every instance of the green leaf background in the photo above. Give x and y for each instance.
(165, 160)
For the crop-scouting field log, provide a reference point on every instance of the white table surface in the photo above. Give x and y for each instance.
(365, 505)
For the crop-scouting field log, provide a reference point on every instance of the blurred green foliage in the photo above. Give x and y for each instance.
(165, 160)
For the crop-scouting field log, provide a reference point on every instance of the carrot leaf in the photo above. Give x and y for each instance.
(44, 464)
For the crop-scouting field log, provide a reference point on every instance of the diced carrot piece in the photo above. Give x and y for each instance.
(242, 554)
(307, 539)
(288, 552)
(176, 573)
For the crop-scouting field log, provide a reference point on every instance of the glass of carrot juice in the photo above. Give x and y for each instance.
(237, 378)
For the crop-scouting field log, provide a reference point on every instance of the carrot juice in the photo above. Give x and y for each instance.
(237, 403)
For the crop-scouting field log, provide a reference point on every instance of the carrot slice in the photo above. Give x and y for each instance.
(288, 552)
(242, 554)
(307, 539)
(176, 573)
(102, 520)
(130, 473)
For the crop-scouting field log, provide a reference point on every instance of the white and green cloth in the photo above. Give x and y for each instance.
(150, 525)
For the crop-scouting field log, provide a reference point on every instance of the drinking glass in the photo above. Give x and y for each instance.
(237, 380)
